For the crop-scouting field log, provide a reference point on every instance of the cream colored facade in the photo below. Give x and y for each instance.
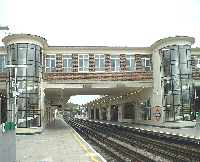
(124, 91)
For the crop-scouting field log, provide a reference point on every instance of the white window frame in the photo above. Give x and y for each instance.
(85, 61)
(3, 63)
(67, 68)
(197, 66)
(145, 63)
(116, 61)
(50, 67)
(130, 61)
(98, 58)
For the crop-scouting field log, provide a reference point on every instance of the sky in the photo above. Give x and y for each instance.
(131, 23)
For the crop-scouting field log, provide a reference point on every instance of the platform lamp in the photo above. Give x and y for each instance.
(15, 92)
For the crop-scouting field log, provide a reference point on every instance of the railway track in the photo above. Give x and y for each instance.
(126, 144)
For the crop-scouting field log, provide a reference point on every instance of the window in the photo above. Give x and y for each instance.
(66, 62)
(99, 62)
(129, 110)
(51, 63)
(145, 59)
(197, 63)
(145, 109)
(130, 62)
(115, 62)
(2, 63)
(177, 81)
(83, 62)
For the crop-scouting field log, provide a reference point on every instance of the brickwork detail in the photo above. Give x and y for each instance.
(75, 62)
(107, 62)
(58, 62)
(138, 62)
(98, 76)
(151, 62)
(123, 62)
(2, 77)
(91, 63)
(193, 62)
(196, 74)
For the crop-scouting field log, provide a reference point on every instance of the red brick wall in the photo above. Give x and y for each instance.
(91, 63)
(123, 62)
(58, 62)
(98, 76)
(196, 74)
(107, 62)
(138, 62)
(2, 77)
(75, 62)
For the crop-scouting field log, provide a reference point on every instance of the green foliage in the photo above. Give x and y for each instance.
(70, 104)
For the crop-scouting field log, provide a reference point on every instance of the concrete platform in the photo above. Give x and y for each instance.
(57, 143)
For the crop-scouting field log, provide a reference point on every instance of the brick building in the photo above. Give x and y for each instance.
(155, 85)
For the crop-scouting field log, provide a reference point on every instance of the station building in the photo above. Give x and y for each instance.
(157, 85)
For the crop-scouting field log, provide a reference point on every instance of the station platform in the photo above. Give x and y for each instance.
(57, 143)
(184, 132)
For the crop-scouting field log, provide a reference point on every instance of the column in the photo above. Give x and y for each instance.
(108, 112)
(120, 113)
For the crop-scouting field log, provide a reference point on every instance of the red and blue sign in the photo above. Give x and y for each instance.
(157, 115)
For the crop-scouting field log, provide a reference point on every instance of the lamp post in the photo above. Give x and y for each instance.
(15, 92)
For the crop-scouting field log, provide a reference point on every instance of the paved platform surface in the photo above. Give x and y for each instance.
(187, 132)
(57, 143)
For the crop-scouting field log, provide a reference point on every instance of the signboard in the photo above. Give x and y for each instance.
(157, 115)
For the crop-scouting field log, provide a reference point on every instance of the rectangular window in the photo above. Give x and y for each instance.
(66, 62)
(145, 59)
(115, 62)
(130, 63)
(3, 59)
(197, 63)
(145, 109)
(51, 63)
(99, 62)
(83, 62)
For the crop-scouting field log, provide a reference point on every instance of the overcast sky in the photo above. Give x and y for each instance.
(102, 22)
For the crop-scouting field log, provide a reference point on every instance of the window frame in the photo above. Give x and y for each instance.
(197, 63)
(130, 62)
(68, 67)
(100, 67)
(50, 67)
(85, 61)
(3, 61)
(144, 66)
(116, 68)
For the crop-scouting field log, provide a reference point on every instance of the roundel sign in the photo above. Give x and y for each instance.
(157, 115)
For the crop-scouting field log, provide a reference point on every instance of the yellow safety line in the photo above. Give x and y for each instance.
(89, 153)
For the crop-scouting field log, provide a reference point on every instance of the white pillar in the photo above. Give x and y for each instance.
(108, 112)
(120, 113)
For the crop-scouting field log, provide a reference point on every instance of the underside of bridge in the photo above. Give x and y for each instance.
(60, 93)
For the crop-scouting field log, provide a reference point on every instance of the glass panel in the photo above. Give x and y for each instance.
(64, 63)
(101, 63)
(114, 56)
(145, 109)
(96, 63)
(80, 63)
(53, 63)
(48, 63)
(178, 84)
